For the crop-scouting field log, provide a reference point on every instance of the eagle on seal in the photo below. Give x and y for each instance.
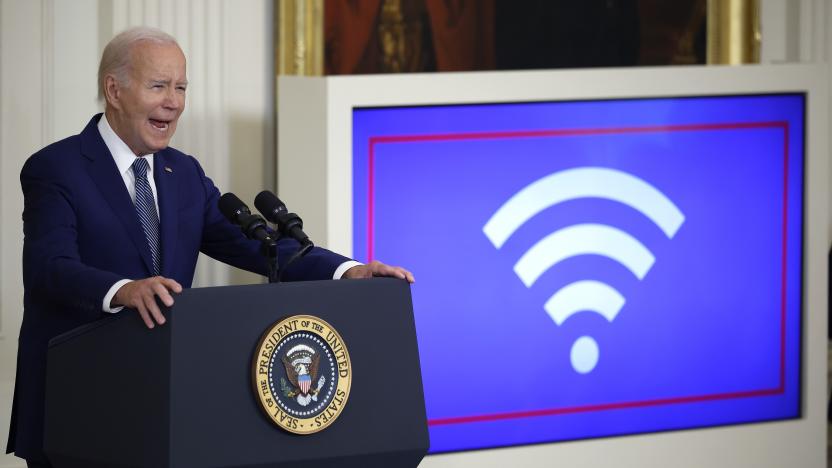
(301, 363)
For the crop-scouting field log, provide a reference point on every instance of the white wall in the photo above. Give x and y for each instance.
(49, 52)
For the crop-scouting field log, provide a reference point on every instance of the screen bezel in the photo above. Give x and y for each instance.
(320, 135)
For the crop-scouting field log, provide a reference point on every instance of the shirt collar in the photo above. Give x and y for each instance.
(122, 154)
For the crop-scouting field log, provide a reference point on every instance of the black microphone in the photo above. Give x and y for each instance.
(289, 224)
(253, 226)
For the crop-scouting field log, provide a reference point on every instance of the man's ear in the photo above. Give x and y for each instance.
(112, 91)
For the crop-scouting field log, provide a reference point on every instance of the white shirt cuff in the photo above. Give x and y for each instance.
(109, 297)
(342, 268)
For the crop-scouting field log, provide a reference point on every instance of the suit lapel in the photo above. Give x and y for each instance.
(104, 173)
(167, 191)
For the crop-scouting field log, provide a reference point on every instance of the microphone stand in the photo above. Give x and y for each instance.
(269, 249)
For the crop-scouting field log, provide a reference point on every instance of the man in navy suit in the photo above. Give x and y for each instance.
(114, 218)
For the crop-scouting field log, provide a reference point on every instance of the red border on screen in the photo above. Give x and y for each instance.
(784, 125)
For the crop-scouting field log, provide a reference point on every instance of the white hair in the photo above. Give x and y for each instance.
(115, 60)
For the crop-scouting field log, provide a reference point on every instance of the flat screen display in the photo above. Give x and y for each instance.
(593, 268)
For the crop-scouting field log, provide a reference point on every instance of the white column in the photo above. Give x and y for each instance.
(795, 31)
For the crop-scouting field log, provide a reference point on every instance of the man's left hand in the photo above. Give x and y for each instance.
(376, 268)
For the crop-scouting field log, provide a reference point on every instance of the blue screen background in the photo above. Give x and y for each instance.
(700, 339)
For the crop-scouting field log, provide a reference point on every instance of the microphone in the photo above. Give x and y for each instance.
(253, 226)
(289, 224)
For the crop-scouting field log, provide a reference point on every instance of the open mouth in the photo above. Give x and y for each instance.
(161, 125)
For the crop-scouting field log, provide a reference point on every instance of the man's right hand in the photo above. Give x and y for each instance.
(141, 295)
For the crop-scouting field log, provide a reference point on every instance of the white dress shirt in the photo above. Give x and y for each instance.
(124, 158)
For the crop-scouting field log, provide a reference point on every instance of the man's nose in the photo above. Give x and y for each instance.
(173, 100)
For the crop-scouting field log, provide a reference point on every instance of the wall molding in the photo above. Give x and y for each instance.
(3, 136)
(47, 69)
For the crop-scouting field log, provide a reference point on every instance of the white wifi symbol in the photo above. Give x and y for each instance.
(583, 239)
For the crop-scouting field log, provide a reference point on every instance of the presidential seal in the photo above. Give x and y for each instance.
(302, 374)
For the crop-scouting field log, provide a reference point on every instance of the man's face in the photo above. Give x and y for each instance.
(147, 109)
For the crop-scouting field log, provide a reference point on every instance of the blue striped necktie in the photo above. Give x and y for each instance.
(146, 209)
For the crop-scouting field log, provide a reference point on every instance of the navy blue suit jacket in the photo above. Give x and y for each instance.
(82, 235)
